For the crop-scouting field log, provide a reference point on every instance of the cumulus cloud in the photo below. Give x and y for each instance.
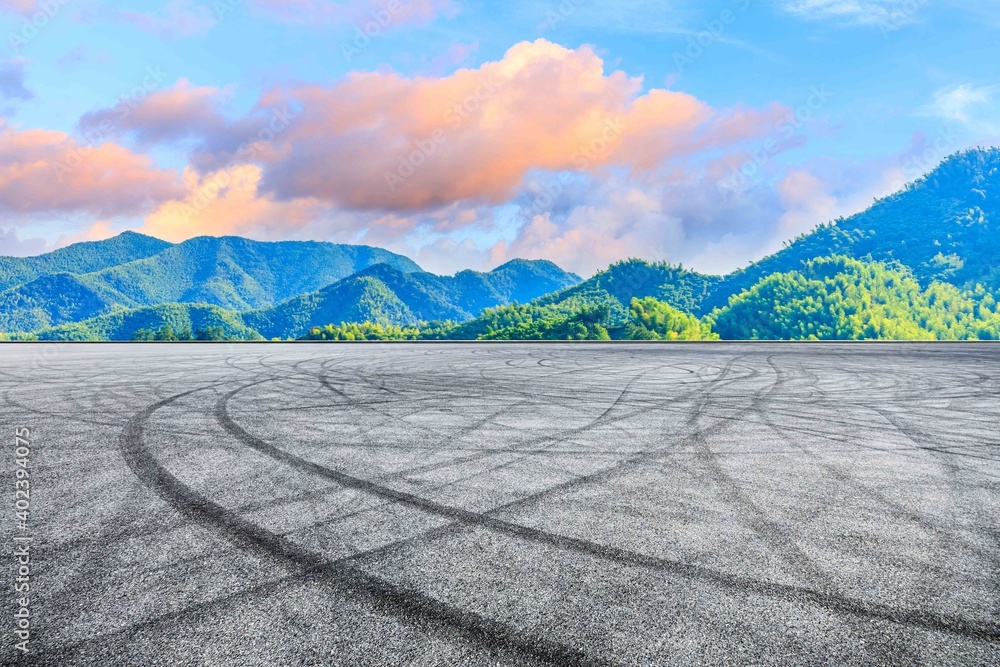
(386, 13)
(43, 170)
(418, 163)
(382, 141)
(228, 202)
(670, 216)
(176, 113)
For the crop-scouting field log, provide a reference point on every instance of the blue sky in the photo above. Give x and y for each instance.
(721, 128)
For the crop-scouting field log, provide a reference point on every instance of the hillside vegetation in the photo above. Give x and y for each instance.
(839, 298)
(230, 272)
(131, 324)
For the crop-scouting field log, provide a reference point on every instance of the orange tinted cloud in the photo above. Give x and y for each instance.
(44, 170)
(227, 202)
(385, 141)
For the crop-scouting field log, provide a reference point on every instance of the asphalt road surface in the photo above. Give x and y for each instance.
(410, 504)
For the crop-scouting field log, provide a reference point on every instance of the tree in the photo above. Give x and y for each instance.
(211, 333)
(166, 334)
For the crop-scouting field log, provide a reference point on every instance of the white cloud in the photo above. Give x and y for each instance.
(892, 13)
(970, 106)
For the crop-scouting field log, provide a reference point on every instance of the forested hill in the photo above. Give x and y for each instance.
(616, 286)
(134, 271)
(240, 274)
(78, 258)
(385, 295)
(944, 227)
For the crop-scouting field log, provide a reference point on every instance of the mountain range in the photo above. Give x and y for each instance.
(250, 289)
(935, 245)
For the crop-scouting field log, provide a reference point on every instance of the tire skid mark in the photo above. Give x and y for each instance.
(894, 508)
(398, 600)
(461, 518)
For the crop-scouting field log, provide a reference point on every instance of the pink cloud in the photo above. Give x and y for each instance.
(43, 170)
(179, 112)
(383, 141)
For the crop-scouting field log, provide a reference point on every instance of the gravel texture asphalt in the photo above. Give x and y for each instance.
(508, 504)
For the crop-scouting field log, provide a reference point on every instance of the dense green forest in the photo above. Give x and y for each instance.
(647, 319)
(831, 298)
(623, 281)
(921, 264)
(839, 298)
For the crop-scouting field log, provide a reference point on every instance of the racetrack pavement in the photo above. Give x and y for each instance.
(506, 504)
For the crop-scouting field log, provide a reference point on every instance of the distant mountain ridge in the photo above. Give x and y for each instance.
(385, 295)
(233, 273)
(245, 287)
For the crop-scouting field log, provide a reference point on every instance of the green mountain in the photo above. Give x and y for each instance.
(231, 272)
(380, 294)
(126, 325)
(79, 258)
(240, 274)
(944, 227)
(839, 298)
(647, 318)
(623, 281)
(52, 300)
(385, 295)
